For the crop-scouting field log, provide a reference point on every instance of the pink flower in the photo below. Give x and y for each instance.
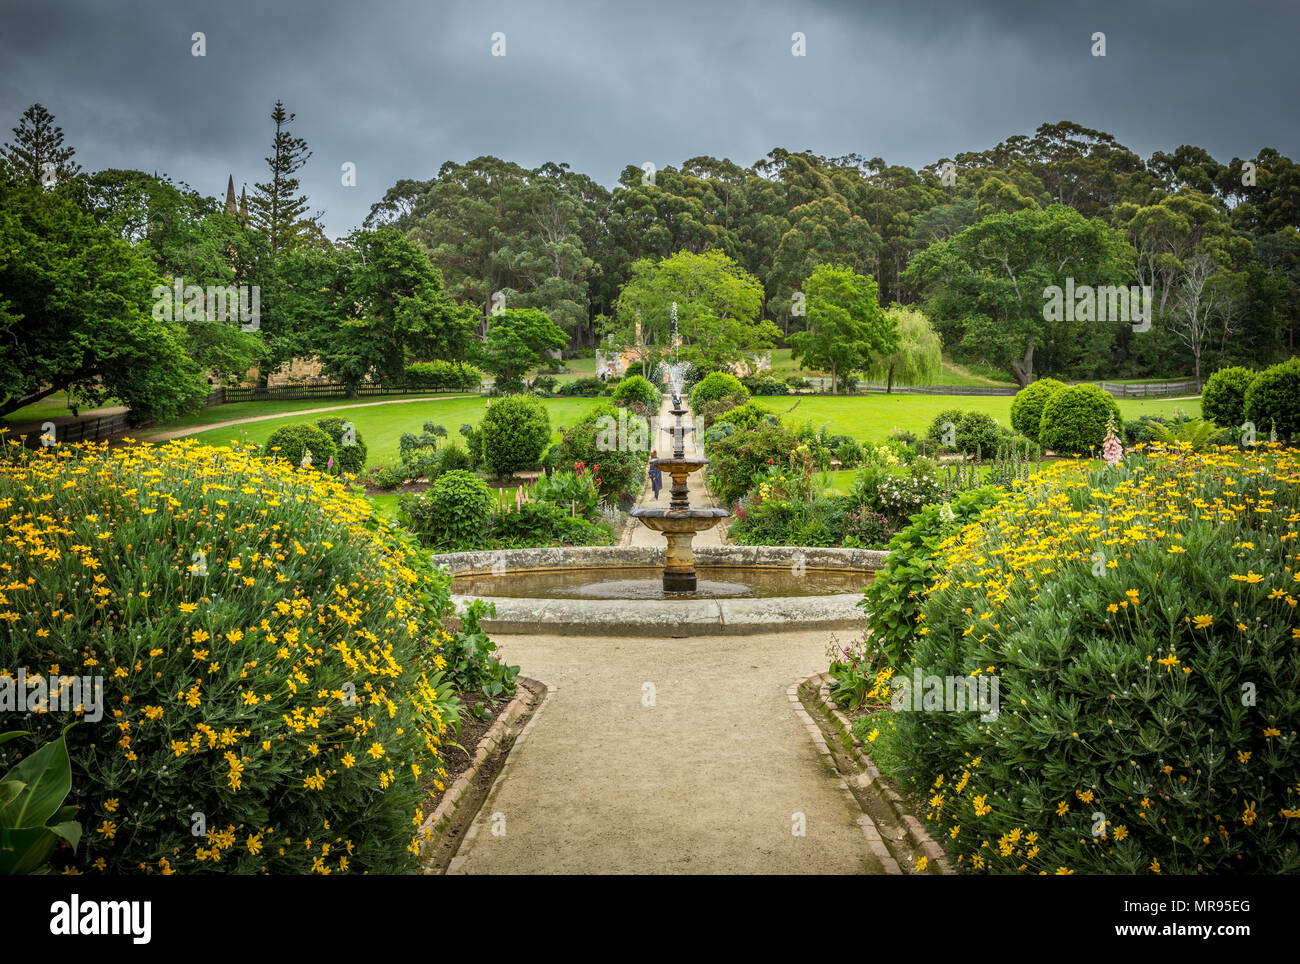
(1111, 449)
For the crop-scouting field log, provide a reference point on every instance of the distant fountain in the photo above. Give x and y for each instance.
(679, 522)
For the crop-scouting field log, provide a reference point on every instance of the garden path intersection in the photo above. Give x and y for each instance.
(663, 755)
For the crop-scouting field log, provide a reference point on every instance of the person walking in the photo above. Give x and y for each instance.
(656, 477)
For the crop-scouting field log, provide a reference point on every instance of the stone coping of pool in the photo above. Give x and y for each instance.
(630, 557)
(666, 617)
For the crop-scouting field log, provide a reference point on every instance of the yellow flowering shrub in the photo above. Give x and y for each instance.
(272, 697)
(1143, 622)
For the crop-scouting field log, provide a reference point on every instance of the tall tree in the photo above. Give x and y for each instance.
(36, 154)
(987, 286)
(918, 357)
(718, 305)
(379, 302)
(848, 331)
(277, 208)
(517, 340)
(78, 313)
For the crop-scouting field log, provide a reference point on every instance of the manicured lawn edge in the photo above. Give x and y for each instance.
(874, 792)
(444, 829)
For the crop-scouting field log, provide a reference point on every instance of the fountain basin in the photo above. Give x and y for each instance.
(786, 585)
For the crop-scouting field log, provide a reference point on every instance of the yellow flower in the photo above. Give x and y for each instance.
(921, 864)
(1062, 809)
(1248, 817)
(1202, 621)
(1154, 866)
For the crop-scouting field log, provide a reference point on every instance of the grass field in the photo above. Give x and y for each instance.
(871, 418)
(51, 406)
(238, 410)
(381, 426)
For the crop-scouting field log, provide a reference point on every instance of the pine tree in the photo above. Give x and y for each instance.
(38, 142)
(277, 208)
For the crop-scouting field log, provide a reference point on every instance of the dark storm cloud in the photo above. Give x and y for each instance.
(400, 87)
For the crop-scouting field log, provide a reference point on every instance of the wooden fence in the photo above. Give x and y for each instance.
(89, 429)
(226, 396)
(1148, 389)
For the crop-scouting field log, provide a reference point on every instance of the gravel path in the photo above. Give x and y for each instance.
(667, 756)
(710, 779)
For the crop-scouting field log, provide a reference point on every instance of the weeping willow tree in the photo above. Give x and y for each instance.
(918, 359)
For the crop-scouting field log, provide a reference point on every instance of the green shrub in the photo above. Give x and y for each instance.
(622, 469)
(473, 445)
(849, 453)
(894, 599)
(292, 442)
(639, 395)
(350, 454)
(1272, 402)
(515, 432)
(587, 387)
(1147, 672)
(714, 387)
(938, 425)
(544, 384)
(386, 477)
(535, 524)
(1223, 399)
(791, 522)
(1074, 420)
(734, 461)
(445, 376)
(574, 491)
(979, 434)
(269, 654)
(764, 384)
(453, 458)
(710, 412)
(1027, 406)
(419, 453)
(452, 514)
(746, 417)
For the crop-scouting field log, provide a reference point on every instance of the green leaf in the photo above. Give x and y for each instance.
(9, 790)
(48, 775)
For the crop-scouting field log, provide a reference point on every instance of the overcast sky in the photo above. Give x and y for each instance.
(397, 88)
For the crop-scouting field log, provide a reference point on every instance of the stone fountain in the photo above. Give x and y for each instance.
(679, 522)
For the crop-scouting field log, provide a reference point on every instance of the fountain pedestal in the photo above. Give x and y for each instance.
(679, 522)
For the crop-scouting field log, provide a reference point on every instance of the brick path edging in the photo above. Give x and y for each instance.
(448, 815)
(869, 828)
(870, 780)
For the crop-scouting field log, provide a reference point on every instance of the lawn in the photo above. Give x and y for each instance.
(51, 406)
(237, 410)
(381, 426)
(872, 417)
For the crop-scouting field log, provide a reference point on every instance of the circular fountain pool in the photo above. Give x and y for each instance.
(715, 582)
(618, 591)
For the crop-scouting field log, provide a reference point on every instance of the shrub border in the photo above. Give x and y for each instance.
(444, 829)
(868, 787)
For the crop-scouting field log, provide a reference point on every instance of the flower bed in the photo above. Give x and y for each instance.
(271, 658)
(1141, 622)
